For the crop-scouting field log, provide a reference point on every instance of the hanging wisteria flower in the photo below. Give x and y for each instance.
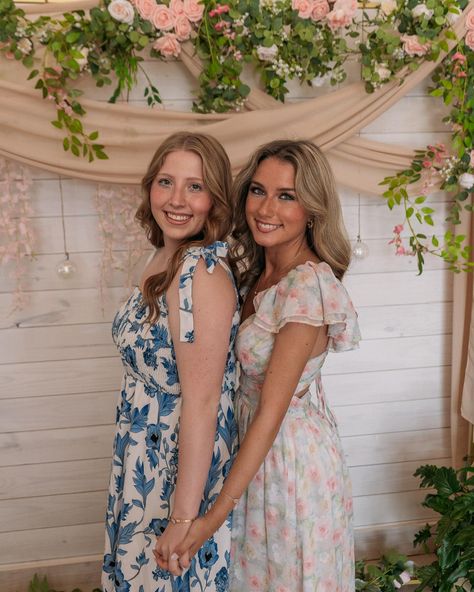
(421, 10)
(466, 180)
(122, 11)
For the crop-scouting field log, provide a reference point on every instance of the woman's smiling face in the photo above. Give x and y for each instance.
(180, 201)
(274, 215)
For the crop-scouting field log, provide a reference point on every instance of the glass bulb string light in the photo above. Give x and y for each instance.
(66, 268)
(360, 249)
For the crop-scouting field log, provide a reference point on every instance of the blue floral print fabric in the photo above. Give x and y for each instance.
(145, 454)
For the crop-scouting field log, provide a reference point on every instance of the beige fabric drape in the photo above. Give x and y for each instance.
(131, 134)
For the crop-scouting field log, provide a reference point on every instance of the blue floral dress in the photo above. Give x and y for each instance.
(145, 455)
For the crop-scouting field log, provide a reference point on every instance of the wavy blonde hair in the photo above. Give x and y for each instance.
(315, 190)
(217, 178)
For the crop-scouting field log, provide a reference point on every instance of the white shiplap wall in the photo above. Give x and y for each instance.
(59, 373)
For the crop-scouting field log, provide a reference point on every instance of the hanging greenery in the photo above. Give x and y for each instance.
(307, 40)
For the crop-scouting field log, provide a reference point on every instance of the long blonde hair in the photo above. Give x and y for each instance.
(217, 178)
(315, 191)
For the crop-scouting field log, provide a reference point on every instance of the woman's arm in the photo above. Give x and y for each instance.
(293, 347)
(201, 366)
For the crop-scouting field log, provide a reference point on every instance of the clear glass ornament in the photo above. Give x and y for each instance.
(360, 250)
(66, 269)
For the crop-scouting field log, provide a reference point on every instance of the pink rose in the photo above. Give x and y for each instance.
(193, 10)
(469, 39)
(168, 45)
(470, 20)
(338, 18)
(176, 7)
(182, 27)
(320, 10)
(162, 18)
(304, 7)
(413, 47)
(145, 8)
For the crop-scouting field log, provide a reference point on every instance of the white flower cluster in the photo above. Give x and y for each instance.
(448, 168)
(284, 70)
(274, 6)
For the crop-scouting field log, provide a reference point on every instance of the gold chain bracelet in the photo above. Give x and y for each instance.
(174, 520)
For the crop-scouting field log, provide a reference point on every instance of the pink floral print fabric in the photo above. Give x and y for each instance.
(292, 530)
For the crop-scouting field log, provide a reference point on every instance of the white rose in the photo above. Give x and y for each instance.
(422, 10)
(383, 72)
(388, 6)
(267, 54)
(466, 180)
(122, 11)
(452, 17)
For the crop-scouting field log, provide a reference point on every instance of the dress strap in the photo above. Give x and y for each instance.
(212, 255)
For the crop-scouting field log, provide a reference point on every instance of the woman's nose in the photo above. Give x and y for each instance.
(267, 207)
(178, 197)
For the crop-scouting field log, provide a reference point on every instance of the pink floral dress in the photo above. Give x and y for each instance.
(292, 530)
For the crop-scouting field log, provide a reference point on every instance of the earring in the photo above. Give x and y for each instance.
(310, 223)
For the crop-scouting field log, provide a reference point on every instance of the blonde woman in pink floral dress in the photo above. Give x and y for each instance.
(292, 525)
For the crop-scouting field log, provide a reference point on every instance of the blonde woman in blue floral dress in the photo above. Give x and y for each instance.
(175, 420)
(292, 529)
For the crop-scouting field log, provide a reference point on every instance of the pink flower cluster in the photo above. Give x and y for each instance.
(469, 38)
(398, 242)
(175, 22)
(341, 15)
(459, 65)
(55, 94)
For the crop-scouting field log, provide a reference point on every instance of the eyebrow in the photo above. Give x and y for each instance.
(187, 178)
(278, 188)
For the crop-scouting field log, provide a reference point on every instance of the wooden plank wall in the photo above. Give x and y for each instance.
(59, 373)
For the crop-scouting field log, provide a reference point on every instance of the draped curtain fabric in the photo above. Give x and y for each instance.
(131, 135)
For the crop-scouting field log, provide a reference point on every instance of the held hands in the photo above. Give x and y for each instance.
(180, 542)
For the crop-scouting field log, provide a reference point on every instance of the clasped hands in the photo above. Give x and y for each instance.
(178, 544)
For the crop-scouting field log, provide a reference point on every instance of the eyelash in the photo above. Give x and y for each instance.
(194, 187)
(285, 196)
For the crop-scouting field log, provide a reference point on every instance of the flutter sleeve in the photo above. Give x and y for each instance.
(310, 294)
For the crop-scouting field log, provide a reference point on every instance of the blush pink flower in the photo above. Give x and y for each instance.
(459, 57)
(193, 10)
(413, 47)
(400, 250)
(176, 7)
(145, 8)
(168, 45)
(320, 10)
(469, 39)
(162, 18)
(398, 229)
(339, 18)
(470, 20)
(182, 27)
(304, 7)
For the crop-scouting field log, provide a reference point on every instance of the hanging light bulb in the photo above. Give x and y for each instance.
(360, 250)
(66, 268)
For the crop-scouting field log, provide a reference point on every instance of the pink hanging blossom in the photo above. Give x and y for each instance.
(16, 229)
